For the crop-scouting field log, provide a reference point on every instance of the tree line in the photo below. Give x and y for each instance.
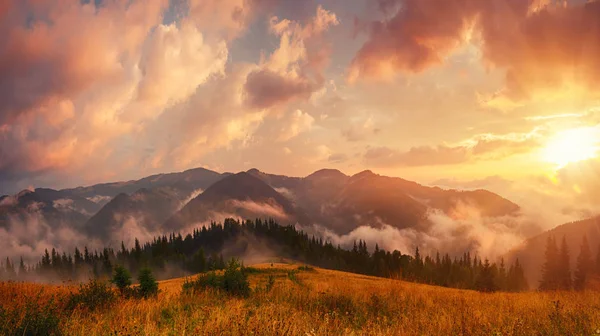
(556, 270)
(199, 251)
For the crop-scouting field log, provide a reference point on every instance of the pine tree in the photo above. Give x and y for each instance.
(584, 266)
(516, 281)
(486, 279)
(550, 279)
(121, 278)
(10, 269)
(22, 269)
(565, 280)
(148, 286)
(502, 276)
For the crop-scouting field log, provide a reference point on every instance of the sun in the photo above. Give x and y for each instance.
(572, 146)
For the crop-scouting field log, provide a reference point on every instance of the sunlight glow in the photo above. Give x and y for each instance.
(572, 145)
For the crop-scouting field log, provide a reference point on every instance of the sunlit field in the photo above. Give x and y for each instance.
(304, 301)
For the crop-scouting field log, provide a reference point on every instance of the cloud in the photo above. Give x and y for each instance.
(266, 88)
(265, 209)
(360, 129)
(546, 200)
(28, 234)
(416, 156)
(544, 47)
(480, 147)
(295, 123)
(100, 199)
(176, 60)
(465, 230)
(293, 70)
(215, 117)
(582, 181)
(79, 80)
(337, 158)
(191, 196)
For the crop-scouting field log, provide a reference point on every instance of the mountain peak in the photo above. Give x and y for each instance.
(363, 174)
(24, 192)
(326, 173)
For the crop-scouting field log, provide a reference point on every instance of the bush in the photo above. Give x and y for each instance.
(121, 279)
(148, 284)
(34, 318)
(233, 281)
(93, 295)
(306, 268)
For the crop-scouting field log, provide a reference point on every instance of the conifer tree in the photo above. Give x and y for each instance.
(584, 267)
(22, 269)
(148, 286)
(550, 279)
(486, 279)
(121, 278)
(516, 278)
(565, 279)
(502, 276)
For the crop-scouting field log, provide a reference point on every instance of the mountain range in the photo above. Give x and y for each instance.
(338, 203)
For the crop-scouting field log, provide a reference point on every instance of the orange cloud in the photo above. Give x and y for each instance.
(79, 79)
(293, 70)
(542, 46)
(481, 147)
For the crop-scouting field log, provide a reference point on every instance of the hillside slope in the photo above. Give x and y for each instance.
(240, 195)
(531, 252)
(313, 301)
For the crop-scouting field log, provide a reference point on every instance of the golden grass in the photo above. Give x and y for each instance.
(324, 302)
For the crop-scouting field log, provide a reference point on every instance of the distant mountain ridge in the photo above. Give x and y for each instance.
(328, 197)
(186, 181)
(344, 202)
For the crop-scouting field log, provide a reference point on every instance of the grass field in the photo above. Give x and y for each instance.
(308, 302)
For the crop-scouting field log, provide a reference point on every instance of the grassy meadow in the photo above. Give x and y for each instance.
(291, 300)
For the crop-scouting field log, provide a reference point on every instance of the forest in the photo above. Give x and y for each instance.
(176, 255)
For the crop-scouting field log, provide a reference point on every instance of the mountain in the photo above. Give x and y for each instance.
(241, 195)
(531, 252)
(335, 202)
(183, 182)
(343, 202)
(52, 206)
(138, 215)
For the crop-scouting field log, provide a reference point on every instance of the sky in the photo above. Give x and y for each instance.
(497, 94)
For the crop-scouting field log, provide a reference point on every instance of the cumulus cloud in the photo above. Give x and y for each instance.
(293, 70)
(481, 147)
(266, 88)
(295, 123)
(212, 118)
(543, 45)
(80, 77)
(360, 129)
(177, 59)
